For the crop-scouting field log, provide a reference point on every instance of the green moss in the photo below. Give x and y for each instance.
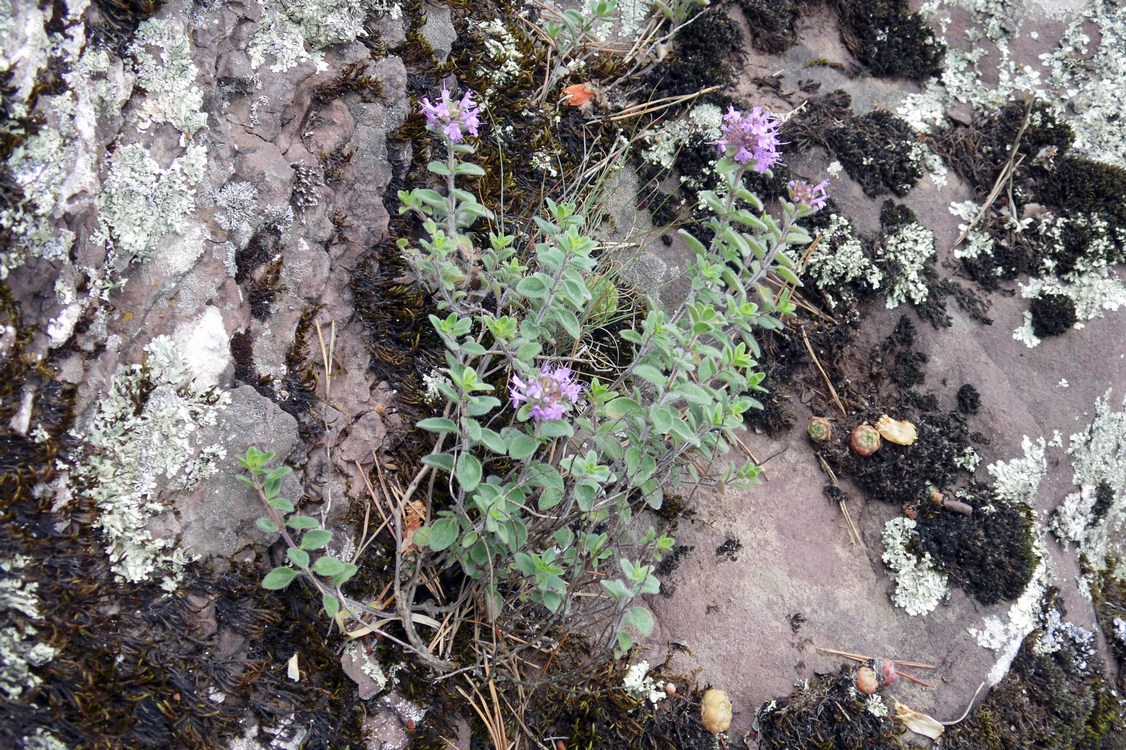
(1050, 699)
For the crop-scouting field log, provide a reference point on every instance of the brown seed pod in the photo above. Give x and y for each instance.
(896, 431)
(865, 440)
(820, 430)
(715, 711)
(866, 680)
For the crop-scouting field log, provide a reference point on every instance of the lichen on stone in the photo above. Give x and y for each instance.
(19, 649)
(1018, 480)
(919, 585)
(142, 203)
(292, 31)
(168, 76)
(142, 440)
(1098, 456)
(903, 255)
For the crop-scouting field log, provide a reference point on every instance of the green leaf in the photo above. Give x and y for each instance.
(443, 533)
(621, 407)
(468, 168)
(438, 424)
(468, 472)
(328, 566)
(569, 322)
(266, 525)
(521, 445)
(421, 537)
(316, 539)
(443, 461)
(302, 522)
(640, 619)
(278, 578)
(493, 441)
(438, 167)
(480, 405)
(281, 504)
(557, 428)
(342, 577)
(298, 557)
(531, 287)
(272, 486)
(650, 373)
(693, 244)
(331, 604)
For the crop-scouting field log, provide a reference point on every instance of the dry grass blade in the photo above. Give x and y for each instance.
(820, 369)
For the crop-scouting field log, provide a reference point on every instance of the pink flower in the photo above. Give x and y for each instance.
(550, 392)
(450, 117)
(750, 137)
(811, 196)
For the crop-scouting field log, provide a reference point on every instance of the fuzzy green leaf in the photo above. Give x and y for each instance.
(328, 566)
(443, 533)
(331, 604)
(315, 539)
(298, 557)
(281, 504)
(278, 578)
(302, 522)
(267, 525)
(437, 424)
(468, 472)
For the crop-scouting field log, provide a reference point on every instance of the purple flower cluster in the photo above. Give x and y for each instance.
(810, 196)
(750, 137)
(547, 392)
(451, 117)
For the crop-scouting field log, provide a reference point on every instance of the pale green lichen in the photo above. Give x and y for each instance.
(143, 439)
(161, 53)
(839, 260)
(1018, 480)
(292, 31)
(141, 203)
(1099, 460)
(919, 585)
(19, 650)
(903, 255)
(664, 143)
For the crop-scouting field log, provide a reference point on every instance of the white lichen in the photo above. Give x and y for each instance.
(292, 31)
(919, 585)
(839, 260)
(1018, 480)
(19, 649)
(161, 54)
(638, 683)
(1006, 634)
(141, 203)
(876, 706)
(142, 439)
(903, 255)
(665, 142)
(1098, 456)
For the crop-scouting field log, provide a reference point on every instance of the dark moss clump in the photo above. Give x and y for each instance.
(594, 712)
(354, 78)
(1109, 595)
(1053, 701)
(980, 150)
(969, 399)
(117, 20)
(889, 39)
(701, 56)
(989, 554)
(1084, 187)
(827, 713)
(1052, 314)
(772, 23)
(878, 149)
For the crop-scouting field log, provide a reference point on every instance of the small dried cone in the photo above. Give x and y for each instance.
(896, 431)
(866, 680)
(715, 711)
(865, 440)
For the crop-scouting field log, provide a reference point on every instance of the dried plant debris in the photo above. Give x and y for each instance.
(1055, 696)
(827, 712)
(889, 39)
